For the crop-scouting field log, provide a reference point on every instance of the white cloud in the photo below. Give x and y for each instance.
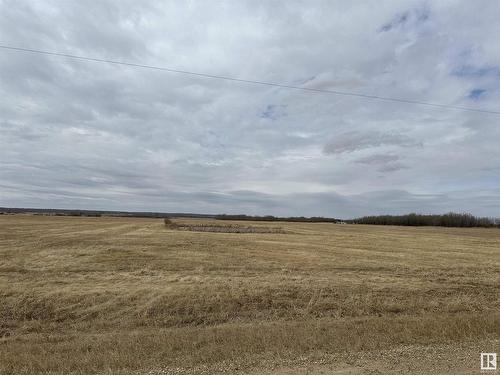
(92, 135)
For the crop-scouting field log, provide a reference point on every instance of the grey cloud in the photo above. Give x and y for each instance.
(91, 135)
(385, 162)
(353, 141)
(415, 16)
(377, 159)
(398, 20)
(392, 167)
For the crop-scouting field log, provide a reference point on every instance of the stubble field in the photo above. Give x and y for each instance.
(130, 296)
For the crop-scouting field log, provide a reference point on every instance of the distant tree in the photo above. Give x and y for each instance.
(464, 220)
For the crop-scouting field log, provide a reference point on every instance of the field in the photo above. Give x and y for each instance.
(131, 296)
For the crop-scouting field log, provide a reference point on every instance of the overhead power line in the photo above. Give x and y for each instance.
(249, 81)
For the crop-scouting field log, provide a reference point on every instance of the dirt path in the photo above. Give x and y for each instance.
(449, 359)
(443, 359)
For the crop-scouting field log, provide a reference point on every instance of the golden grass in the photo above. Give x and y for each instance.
(129, 296)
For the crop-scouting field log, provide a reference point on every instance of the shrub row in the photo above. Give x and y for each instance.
(226, 228)
(463, 220)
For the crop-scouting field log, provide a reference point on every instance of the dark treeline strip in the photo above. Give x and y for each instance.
(97, 213)
(463, 220)
(275, 218)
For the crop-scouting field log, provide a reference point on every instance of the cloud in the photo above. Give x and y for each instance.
(397, 21)
(385, 162)
(415, 16)
(378, 159)
(392, 167)
(353, 141)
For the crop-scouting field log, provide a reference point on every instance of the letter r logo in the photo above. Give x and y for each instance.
(488, 361)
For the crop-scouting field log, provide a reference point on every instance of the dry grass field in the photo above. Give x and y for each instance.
(131, 296)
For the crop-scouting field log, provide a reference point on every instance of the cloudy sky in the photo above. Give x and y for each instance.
(80, 134)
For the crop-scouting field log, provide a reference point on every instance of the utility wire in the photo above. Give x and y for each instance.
(262, 83)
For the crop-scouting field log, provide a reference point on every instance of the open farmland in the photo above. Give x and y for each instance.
(131, 296)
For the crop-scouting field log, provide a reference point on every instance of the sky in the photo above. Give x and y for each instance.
(89, 135)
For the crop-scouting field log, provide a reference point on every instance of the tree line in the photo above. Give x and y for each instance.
(451, 219)
(314, 219)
